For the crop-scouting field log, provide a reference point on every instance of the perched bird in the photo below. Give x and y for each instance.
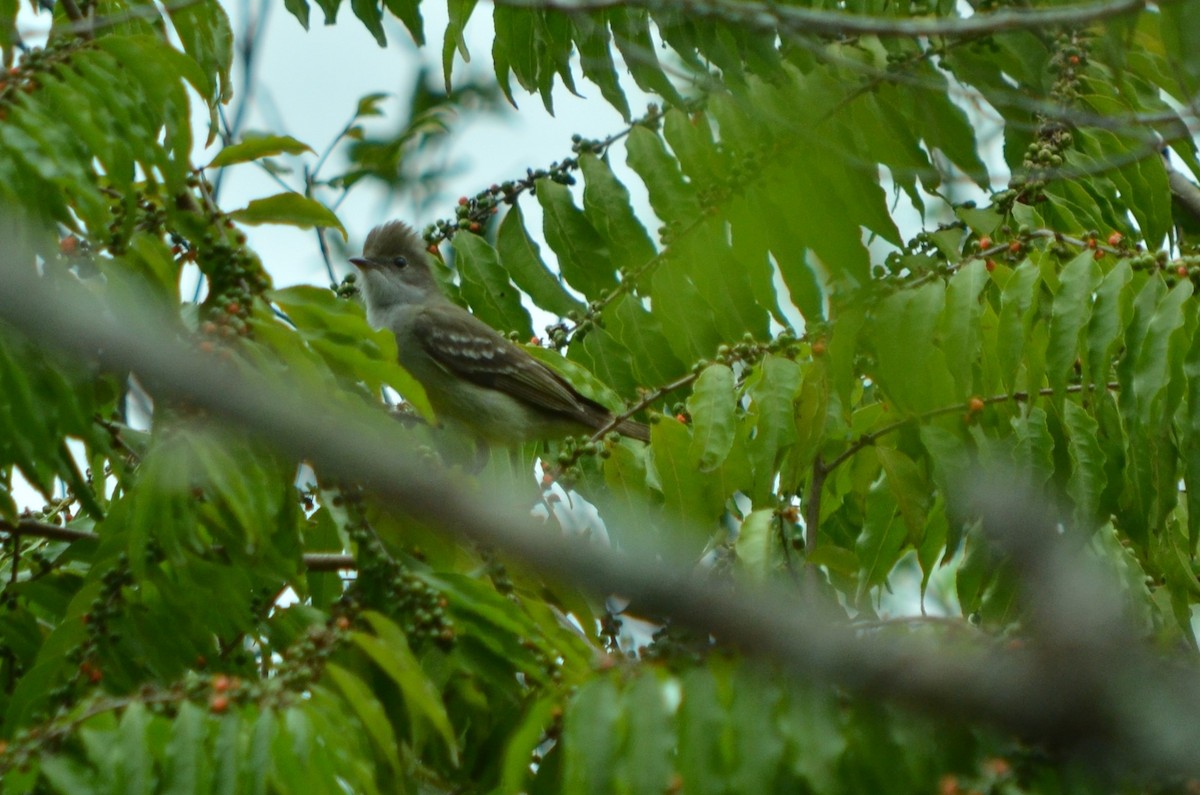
(471, 373)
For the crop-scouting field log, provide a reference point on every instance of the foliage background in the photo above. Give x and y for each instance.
(820, 383)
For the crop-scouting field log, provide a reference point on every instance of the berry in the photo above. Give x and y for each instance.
(1015, 247)
(1182, 271)
(218, 705)
(975, 404)
(990, 265)
(818, 348)
(220, 683)
(985, 242)
(462, 201)
(68, 245)
(1115, 239)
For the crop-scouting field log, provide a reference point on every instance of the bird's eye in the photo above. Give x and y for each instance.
(399, 262)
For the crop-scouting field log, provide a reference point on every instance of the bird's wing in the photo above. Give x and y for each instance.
(470, 349)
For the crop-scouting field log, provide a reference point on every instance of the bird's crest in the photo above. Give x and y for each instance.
(393, 238)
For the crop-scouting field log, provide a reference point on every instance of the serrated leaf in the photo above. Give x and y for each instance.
(253, 148)
(583, 257)
(523, 262)
(289, 209)
(607, 205)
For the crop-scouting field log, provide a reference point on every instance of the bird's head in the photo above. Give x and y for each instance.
(394, 267)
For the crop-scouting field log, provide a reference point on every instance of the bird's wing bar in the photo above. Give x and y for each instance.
(470, 349)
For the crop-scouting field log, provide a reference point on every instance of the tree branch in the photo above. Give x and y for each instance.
(31, 528)
(810, 21)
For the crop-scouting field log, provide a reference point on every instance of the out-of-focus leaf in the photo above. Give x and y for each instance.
(290, 209)
(254, 147)
(389, 649)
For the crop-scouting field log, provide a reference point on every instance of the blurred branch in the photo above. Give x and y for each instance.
(1078, 684)
(767, 15)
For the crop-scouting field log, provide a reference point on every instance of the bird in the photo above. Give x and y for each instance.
(473, 375)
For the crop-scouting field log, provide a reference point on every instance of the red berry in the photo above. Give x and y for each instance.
(1099, 254)
(1182, 271)
(219, 704)
(462, 201)
(990, 265)
(68, 245)
(819, 347)
(1074, 59)
(1115, 239)
(220, 683)
(681, 417)
(985, 242)
(975, 404)
(1015, 247)
(206, 346)
(475, 227)
(342, 622)
(233, 307)
(547, 480)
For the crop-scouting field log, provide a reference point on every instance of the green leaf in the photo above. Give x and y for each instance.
(206, 35)
(606, 204)
(409, 12)
(960, 326)
(689, 497)
(486, 287)
(882, 538)
(1088, 478)
(454, 41)
(522, 259)
(595, 58)
(703, 734)
(1069, 314)
(389, 649)
(1157, 354)
(290, 209)
(371, 16)
(339, 333)
(758, 544)
(908, 367)
(712, 405)
(590, 738)
(908, 487)
(1109, 316)
(583, 256)
(252, 148)
(649, 737)
(369, 711)
(772, 388)
(631, 35)
(298, 9)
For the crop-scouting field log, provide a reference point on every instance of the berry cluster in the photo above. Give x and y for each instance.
(387, 584)
(474, 212)
(23, 78)
(1045, 156)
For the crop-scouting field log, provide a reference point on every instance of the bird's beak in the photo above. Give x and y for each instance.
(361, 262)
